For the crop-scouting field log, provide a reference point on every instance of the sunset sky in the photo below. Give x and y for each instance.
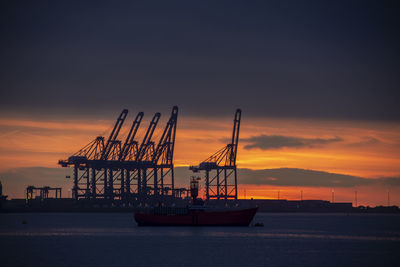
(317, 82)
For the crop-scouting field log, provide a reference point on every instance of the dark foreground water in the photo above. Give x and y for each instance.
(107, 239)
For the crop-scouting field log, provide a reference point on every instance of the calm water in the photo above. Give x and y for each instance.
(107, 239)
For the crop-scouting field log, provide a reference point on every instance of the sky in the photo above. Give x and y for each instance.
(317, 81)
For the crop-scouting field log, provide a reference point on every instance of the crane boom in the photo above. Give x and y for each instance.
(223, 165)
(131, 136)
(114, 133)
(144, 146)
(235, 137)
(167, 140)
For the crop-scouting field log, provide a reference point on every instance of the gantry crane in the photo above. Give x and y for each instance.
(112, 170)
(44, 192)
(128, 154)
(119, 185)
(145, 150)
(156, 162)
(163, 157)
(220, 185)
(93, 157)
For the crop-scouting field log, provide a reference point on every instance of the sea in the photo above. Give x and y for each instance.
(114, 239)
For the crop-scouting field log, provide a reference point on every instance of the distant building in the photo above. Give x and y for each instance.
(273, 205)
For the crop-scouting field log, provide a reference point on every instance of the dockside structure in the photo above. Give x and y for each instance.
(220, 168)
(130, 172)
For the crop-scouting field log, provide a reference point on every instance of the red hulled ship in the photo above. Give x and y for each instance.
(195, 215)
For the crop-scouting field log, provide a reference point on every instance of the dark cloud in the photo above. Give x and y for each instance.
(266, 142)
(293, 177)
(300, 177)
(391, 181)
(366, 141)
(317, 59)
(43, 131)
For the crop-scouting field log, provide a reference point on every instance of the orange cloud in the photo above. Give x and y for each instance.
(32, 143)
(366, 149)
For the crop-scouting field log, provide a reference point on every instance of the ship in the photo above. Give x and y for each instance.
(193, 216)
(196, 214)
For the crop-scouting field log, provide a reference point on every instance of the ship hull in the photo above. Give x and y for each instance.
(198, 218)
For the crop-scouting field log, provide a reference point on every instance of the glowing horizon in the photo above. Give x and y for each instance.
(364, 149)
